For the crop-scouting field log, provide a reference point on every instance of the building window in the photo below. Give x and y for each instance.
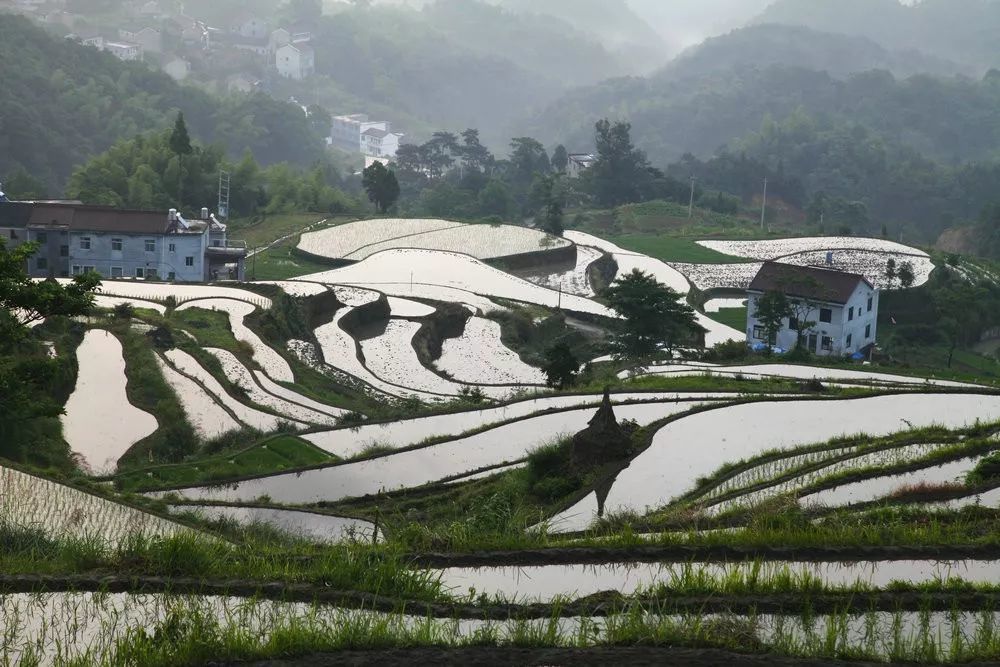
(189, 261)
(827, 344)
(758, 333)
(871, 299)
(171, 276)
(64, 251)
(813, 340)
(151, 274)
(116, 245)
(150, 245)
(850, 339)
(868, 332)
(42, 237)
(140, 273)
(89, 269)
(42, 263)
(116, 272)
(850, 314)
(172, 247)
(826, 315)
(84, 243)
(793, 323)
(76, 270)
(13, 235)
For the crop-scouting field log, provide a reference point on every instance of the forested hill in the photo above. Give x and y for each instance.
(62, 103)
(963, 31)
(841, 55)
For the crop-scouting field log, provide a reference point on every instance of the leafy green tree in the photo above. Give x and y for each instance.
(906, 275)
(890, 273)
(381, 185)
(654, 316)
(561, 366)
(27, 374)
(549, 195)
(180, 144)
(621, 170)
(771, 309)
(21, 185)
(560, 159)
(495, 199)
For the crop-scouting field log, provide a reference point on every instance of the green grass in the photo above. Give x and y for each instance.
(673, 249)
(283, 452)
(261, 231)
(731, 317)
(210, 327)
(279, 263)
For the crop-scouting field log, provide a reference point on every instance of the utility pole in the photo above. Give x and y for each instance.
(691, 203)
(763, 207)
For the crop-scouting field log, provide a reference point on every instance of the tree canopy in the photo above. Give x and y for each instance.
(654, 316)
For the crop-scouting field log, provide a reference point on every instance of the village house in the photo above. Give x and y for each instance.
(295, 61)
(150, 39)
(842, 306)
(117, 243)
(379, 145)
(578, 163)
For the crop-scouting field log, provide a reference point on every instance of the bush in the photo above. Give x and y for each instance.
(123, 311)
(730, 350)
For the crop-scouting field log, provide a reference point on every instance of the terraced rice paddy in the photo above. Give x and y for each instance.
(412, 468)
(359, 240)
(774, 249)
(321, 528)
(693, 447)
(201, 408)
(100, 424)
(479, 356)
(62, 512)
(576, 280)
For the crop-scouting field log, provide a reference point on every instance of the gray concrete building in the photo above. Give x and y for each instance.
(116, 243)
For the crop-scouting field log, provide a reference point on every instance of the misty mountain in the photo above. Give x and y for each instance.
(613, 22)
(685, 23)
(766, 45)
(963, 31)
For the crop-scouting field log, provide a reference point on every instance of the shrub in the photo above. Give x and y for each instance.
(123, 311)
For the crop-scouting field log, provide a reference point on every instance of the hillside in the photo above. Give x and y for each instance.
(765, 45)
(959, 30)
(61, 103)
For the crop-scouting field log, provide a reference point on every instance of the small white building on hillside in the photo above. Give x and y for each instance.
(578, 163)
(295, 61)
(380, 145)
(844, 307)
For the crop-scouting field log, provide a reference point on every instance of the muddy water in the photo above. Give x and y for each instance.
(100, 424)
(696, 446)
(422, 466)
(545, 583)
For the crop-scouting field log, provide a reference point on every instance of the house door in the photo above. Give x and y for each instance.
(813, 343)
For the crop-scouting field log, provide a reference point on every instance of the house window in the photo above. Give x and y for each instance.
(172, 247)
(42, 263)
(42, 237)
(140, 273)
(116, 272)
(64, 251)
(793, 323)
(870, 301)
(813, 340)
(759, 333)
(76, 270)
(89, 269)
(868, 332)
(13, 234)
(171, 276)
(850, 339)
(850, 314)
(116, 245)
(151, 274)
(150, 245)
(189, 261)
(827, 344)
(84, 243)
(825, 315)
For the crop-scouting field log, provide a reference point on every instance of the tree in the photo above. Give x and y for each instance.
(561, 366)
(180, 144)
(550, 197)
(890, 273)
(771, 310)
(654, 316)
(560, 159)
(620, 172)
(906, 275)
(29, 380)
(381, 185)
